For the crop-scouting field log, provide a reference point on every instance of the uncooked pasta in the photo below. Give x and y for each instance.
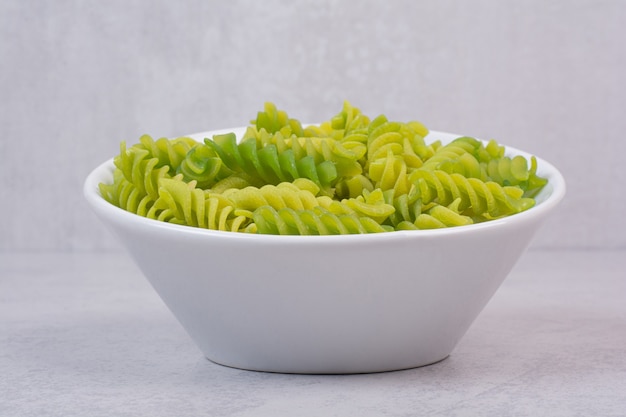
(350, 174)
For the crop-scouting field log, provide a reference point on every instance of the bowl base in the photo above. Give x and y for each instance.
(327, 371)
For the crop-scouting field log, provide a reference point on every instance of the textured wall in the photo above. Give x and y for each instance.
(76, 77)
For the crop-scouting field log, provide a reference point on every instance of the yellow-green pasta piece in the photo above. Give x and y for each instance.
(180, 202)
(135, 180)
(169, 152)
(477, 197)
(452, 152)
(370, 204)
(535, 182)
(123, 193)
(273, 120)
(390, 172)
(318, 221)
(407, 206)
(203, 165)
(352, 187)
(349, 120)
(276, 196)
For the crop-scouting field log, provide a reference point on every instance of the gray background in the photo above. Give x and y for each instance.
(77, 77)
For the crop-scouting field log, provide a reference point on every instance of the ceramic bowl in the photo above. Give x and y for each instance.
(326, 304)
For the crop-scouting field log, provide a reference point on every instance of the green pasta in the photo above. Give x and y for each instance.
(350, 174)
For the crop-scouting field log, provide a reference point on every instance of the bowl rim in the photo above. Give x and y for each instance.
(556, 186)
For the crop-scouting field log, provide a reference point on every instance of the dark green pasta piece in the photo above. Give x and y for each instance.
(272, 166)
(201, 164)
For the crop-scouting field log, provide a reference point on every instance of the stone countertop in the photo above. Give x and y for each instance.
(84, 334)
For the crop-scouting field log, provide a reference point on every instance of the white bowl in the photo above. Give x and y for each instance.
(326, 304)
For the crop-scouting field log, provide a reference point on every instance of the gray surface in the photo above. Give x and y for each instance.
(85, 335)
(77, 77)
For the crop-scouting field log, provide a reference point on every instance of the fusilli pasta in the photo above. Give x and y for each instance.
(346, 175)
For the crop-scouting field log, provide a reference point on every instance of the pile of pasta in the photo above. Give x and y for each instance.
(346, 175)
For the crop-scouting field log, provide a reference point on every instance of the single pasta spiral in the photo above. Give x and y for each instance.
(170, 152)
(478, 198)
(286, 194)
(182, 203)
(317, 221)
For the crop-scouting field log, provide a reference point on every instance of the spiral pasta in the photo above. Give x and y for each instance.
(318, 221)
(273, 120)
(478, 198)
(276, 196)
(125, 195)
(437, 217)
(135, 180)
(349, 174)
(182, 203)
(349, 120)
(369, 204)
(390, 173)
(276, 159)
(407, 207)
(170, 152)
